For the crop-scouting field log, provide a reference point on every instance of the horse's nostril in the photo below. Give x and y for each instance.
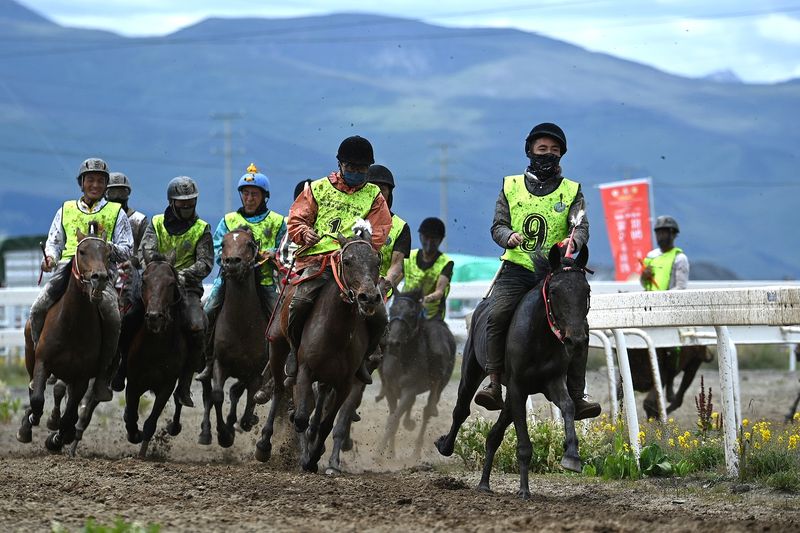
(237, 260)
(362, 297)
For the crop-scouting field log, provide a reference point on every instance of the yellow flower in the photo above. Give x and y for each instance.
(715, 415)
(757, 445)
(747, 436)
(672, 420)
(745, 423)
(658, 434)
(765, 435)
(695, 443)
(793, 441)
(641, 438)
(796, 416)
(672, 442)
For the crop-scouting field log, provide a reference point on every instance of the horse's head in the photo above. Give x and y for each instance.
(566, 294)
(239, 252)
(404, 317)
(90, 264)
(359, 270)
(160, 292)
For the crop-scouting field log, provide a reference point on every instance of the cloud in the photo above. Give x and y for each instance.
(779, 28)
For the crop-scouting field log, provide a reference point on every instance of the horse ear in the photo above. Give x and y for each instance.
(554, 257)
(103, 235)
(341, 238)
(583, 257)
(172, 256)
(80, 235)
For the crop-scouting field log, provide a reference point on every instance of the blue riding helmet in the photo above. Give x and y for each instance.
(254, 178)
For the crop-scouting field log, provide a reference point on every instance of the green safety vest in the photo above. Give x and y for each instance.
(662, 269)
(337, 211)
(184, 244)
(388, 248)
(265, 233)
(541, 220)
(425, 280)
(73, 219)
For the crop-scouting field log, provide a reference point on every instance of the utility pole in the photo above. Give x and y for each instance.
(227, 151)
(443, 160)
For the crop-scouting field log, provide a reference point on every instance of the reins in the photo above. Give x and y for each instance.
(76, 271)
(551, 319)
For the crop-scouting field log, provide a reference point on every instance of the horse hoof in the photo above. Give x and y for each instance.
(54, 421)
(135, 437)
(174, 428)
(524, 494)
(347, 445)
(24, 435)
(310, 467)
(443, 446)
(431, 412)
(484, 487)
(53, 443)
(571, 463)
(409, 424)
(204, 439)
(261, 397)
(263, 453)
(225, 439)
(333, 472)
(300, 424)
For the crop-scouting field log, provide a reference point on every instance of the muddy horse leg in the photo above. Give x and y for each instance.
(407, 398)
(323, 392)
(344, 422)
(234, 394)
(225, 434)
(249, 419)
(428, 412)
(493, 440)
(85, 413)
(150, 424)
(689, 372)
(131, 414)
(205, 425)
(304, 399)
(516, 399)
(264, 444)
(66, 430)
(332, 406)
(174, 426)
(559, 395)
(59, 391)
(471, 376)
(793, 409)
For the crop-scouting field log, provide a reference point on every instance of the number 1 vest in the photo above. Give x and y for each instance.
(337, 211)
(541, 220)
(73, 219)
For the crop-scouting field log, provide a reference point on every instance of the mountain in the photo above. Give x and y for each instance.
(722, 155)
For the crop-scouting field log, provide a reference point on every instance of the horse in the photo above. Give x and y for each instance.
(69, 344)
(334, 340)
(419, 357)
(238, 338)
(157, 353)
(671, 361)
(548, 329)
(793, 409)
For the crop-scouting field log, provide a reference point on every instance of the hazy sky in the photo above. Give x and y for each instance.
(758, 41)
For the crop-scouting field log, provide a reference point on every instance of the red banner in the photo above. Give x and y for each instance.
(626, 205)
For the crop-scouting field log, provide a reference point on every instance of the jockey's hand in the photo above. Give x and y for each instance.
(514, 241)
(647, 274)
(432, 297)
(48, 264)
(266, 256)
(384, 285)
(310, 237)
(570, 245)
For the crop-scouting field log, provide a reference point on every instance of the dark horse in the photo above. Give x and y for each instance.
(671, 362)
(157, 352)
(419, 357)
(240, 350)
(69, 344)
(334, 340)
(548, 329)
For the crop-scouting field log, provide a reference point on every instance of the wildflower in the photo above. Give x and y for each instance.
(641, 438)
(765, 435)
(672, 442)
(658, 434)
(747, 436)
(796, 416)
(745, 423)
(672, 420)
(715, 415)
(794, 440)
(695, 443)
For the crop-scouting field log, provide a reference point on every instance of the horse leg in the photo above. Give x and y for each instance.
(493, 440)
(149, 426)
(428, 412)
(234, 394)
(516, 400)
(332, 407)
(408, 423)
(59, 391)
(205, 425)
(650, 404)
(407, 398)
(560, 396)
(323, 393)
(793, 409)
(66, 430)
(249, 419)
(471, 376)
(131, 415)
(341, 431)
(305, 399)
(264, 444)
(689, 372)
(36, 391)
(174, 426)
(84, 418)
(225, 434)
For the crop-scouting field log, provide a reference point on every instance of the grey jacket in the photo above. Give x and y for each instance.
(501, 225)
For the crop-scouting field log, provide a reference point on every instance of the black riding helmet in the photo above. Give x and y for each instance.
(380, 174)
(546, 129)
(356, 150)
(432, 227)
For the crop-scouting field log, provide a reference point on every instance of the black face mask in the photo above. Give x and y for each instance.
(664, 242)
(545, 166)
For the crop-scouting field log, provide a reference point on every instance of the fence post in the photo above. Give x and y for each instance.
(654, 370)
(628, 399)
(726, 359)
(612, 374)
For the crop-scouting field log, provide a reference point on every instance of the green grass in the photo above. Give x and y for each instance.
(14, 375)
(119, 526)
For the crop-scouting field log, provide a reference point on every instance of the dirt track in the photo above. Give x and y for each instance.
(188, 487)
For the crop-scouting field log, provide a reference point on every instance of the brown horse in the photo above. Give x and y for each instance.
(334, 340)
(240, 350)
(69, 345)
(157, 353)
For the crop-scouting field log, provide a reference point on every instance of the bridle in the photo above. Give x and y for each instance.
(551, 319)
(252, 263)
(405, 321)
(178, 292)
(348, 295)
(76, 269)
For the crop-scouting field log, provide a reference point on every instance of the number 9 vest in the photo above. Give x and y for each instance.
(541, 220)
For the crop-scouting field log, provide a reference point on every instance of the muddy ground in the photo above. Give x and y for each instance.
(185, 486)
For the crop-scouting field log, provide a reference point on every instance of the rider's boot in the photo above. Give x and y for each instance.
(491, 396)
(576, 383)
(212, 311)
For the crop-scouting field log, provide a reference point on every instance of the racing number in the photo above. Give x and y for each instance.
(335, 224)
(534, 231)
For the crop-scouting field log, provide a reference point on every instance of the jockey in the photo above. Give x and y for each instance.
(332, 205)
(533, 212)
(666, 267)
(61, 246)
(429, 270)
(268, 228)
(119, 190)
(398, 243)
(179, 229)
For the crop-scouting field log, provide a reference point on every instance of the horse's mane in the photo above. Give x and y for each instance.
(541, 264)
